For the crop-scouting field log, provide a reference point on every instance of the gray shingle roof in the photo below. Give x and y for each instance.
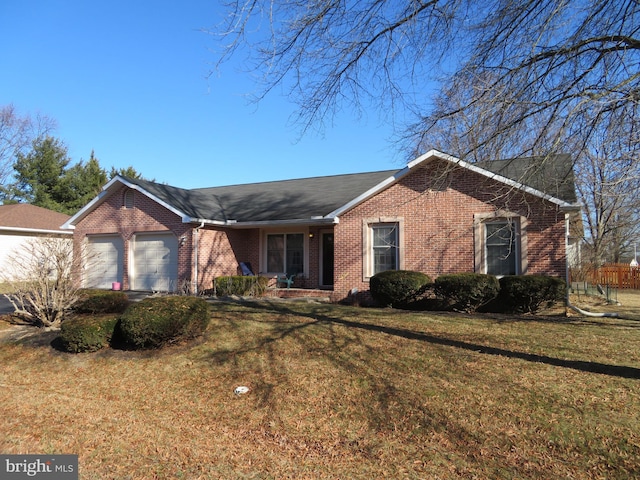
(306, 198)
(26, 216)
(268, 201)
(553, 175)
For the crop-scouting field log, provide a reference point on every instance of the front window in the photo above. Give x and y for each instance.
(385, 247)
(501, 248)
(285, 253)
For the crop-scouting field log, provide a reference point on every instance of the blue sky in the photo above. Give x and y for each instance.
(129, 80)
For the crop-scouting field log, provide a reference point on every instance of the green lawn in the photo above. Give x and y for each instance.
(340, 392)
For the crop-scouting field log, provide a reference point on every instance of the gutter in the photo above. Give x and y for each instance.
(328, 220)
(34, 230)
(567, 277)
(195, 256)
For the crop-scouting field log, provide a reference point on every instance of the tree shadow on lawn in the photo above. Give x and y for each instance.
(320, 317)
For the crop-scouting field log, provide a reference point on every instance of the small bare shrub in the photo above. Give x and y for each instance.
(42, 289)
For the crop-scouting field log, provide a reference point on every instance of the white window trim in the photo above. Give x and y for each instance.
(480, 250)
(367, 242)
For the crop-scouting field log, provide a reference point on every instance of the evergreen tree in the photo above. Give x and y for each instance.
(38, 174)
(81, 183)
(44, 178)
(128, 172)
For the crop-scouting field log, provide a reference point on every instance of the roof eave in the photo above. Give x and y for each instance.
(435, 154)
(312, 221)
(34, 230)
(515, 184)
(391, 180)
(109, 188)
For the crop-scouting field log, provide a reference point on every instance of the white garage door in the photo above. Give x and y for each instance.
(104, 262)
(155, 260)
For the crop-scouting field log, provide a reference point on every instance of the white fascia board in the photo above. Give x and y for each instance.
(71, 223)
(279, 223)
(389, 181)
(33, 230)
(435, 154)
(106, 190)
(218, 223)
(138, 188)
(515, 184)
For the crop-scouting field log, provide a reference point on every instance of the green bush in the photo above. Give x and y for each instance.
(101, 301)
(466, 292)
(240, 285)
(87, 333)
(529, 293)
(155, 322)
(398, 288)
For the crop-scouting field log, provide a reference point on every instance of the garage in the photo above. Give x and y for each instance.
(104, 262)
(155, 262)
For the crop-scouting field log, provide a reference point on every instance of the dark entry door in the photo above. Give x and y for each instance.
(327, 259)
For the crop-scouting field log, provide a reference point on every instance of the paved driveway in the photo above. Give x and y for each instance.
(6, 307)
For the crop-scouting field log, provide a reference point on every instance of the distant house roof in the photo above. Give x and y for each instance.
(25, 217)
(311, 200)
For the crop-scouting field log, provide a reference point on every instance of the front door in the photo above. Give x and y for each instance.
(327, 259)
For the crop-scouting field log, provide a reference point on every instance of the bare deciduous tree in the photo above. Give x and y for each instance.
(40, 276)
(608, 179)
(607, 171)
(17, 133)
(546, 63)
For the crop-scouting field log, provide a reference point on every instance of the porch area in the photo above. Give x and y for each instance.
(290, 293)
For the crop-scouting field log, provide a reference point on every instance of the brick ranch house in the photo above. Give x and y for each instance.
(436, 215)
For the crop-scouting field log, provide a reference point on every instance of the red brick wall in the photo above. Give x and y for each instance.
(147, 216)
(220, 251)
(437, 207)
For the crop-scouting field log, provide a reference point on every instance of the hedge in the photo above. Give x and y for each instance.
(87, 333)
(466, 291)
(101, 301)
(155, 322)
(529, 293)
(240, 285)
(398, 288)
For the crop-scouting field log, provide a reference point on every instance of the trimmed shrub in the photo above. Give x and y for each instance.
(87, 333)
(155, 322)
(254, 286)
(466, 292)
(398, 288)
(101, 301)
(529, 293)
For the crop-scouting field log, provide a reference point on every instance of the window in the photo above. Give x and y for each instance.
(501, 248)
(285, 253)
(385, 247)
(382, 245)
(500, 243)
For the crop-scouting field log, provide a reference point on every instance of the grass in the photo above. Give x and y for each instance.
(339, 392)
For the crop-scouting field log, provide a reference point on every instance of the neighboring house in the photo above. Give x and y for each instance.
(437, 215)
(22, 223)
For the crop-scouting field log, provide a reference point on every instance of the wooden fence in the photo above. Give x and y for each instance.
(617, 275)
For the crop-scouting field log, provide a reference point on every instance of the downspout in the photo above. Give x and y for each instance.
(568, 279)
(195, 257)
